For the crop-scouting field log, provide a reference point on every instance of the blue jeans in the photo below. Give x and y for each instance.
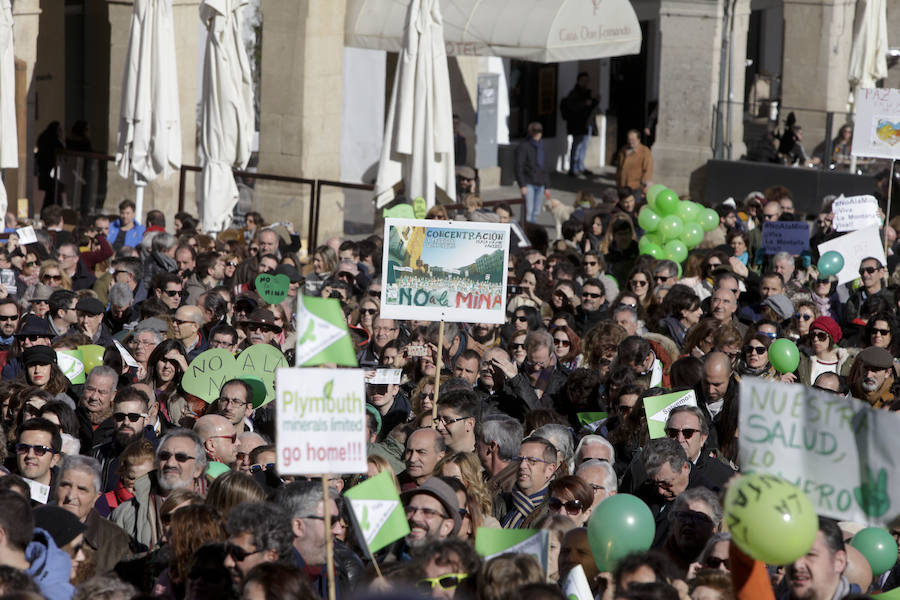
(534, 200)
(579, 150)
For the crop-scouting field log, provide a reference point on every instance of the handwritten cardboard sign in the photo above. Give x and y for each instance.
(876, 132)
(854, 247)
(785, 236)
(855, 212)
(272, 288)
(211, 369)
(839, 451)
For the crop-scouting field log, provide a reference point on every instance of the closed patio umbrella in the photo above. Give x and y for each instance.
(9, 148)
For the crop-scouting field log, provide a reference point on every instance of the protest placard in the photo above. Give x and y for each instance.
(272, 288)
(855, 212)
(491, 542)
(876, 132)
(854, 247)
(322, 335)
(26, 235)
(839, 451)
(785, 236)
(377, 512)
(576, 586)
(384, 376)
(70, 364)
(658, 408)
(320, 421)
(211, 369)
(444, 271)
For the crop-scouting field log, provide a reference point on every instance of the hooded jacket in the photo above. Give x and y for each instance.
(50, 566)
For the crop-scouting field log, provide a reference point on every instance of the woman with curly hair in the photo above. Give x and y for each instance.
(191, 527)
(466, 467)
(567, 347)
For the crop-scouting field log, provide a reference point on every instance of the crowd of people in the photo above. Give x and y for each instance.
(125, 485)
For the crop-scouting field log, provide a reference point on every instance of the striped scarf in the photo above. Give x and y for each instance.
(523, 505)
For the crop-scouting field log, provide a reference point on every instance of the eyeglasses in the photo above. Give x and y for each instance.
(561, 342)
(760, 350)
(238, 553)
(446, 582)
(659, 278)
(428, 512)
(533, 461)
(638, 282)
(232, 437)
(368, 311)
(881, 332)
(820, 335)
(334, 518)
(38, 449)
(231, 264)
(868, 270)
(714, 562)
(225, 401)
(173, 293)
(181, 457)
(591, 295)
(4, 318)
(445, 421)
(35, 338)
(573, 507)
(687, 432)
(803, 316)
(133, 417)
(260, 467)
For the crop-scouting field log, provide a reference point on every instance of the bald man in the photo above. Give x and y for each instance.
(716, 382)
(218, 437)
(188, 320)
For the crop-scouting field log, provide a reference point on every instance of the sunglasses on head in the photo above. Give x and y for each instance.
(687, 432)
(573, 507)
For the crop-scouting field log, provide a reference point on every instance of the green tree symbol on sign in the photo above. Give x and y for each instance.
(364, 523)
(871, 495)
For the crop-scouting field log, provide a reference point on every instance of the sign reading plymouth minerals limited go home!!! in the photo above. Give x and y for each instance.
(444, 271)
(320, 421)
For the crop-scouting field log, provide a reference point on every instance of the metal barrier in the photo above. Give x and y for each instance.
(509, 202)
(79, 176)
(313, 236)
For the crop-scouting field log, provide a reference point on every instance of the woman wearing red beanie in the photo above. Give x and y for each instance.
(824, 334)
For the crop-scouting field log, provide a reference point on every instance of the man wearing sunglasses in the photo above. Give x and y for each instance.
(689, 426)
(9, 320)
(258, 532)
(131, 421)
(38, 450)
(169, 289)
(872, 274)
(260, 326)
(593, 307)
(447, 566)
(188, 320)
(218, 437)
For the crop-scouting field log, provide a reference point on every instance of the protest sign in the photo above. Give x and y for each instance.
(211, 369)
(127, 358)
(491, 542)
(855, 212)
(384, 376)
(320, 421)
(322, 335)
(26, 235)
(70, 364)
(876, 132)
(839, 451)
(445, 271)
(589, 418)
(658, 408)
(576, 586)
(377, 512)
(272, 288)
(854, 247)
(785, 236)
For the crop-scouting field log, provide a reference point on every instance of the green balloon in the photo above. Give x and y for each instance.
(620, 525)
(655, 237)
(830, 263)
(653, 250)
(692, 235)
(709, 219)
(784, 355)
(652, 192)
(878, 546)
(770, 519)
(675, 250)
(644, 243)
(698, 210)
(648, 220)
(688, 211)
(667, 202)
(671, 227)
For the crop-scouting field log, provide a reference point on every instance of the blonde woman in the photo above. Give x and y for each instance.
(51, 274)
(466, 467)
(377, 464)
(365, 314)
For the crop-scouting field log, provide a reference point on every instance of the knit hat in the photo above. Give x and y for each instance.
(39, 355)
(829, 326)
(62, 525)
(781, 304)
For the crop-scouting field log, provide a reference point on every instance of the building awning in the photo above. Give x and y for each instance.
(535, 30)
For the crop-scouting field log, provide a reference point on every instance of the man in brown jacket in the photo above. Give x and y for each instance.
(634, 164)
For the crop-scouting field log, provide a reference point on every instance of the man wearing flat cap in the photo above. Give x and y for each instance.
(872, 377)
(260, 327)
(90, 321)
(432, 511)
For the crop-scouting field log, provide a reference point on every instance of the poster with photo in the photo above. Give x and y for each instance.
(444, 270)
(877, 130)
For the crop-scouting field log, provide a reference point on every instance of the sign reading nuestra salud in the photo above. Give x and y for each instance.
(320, 422)
(445, 270)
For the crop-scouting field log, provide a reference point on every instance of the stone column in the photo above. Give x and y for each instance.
(818, 35)
(26, 25)
(691, 33)
(300, 109)
(734, 120)
(161, 194)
